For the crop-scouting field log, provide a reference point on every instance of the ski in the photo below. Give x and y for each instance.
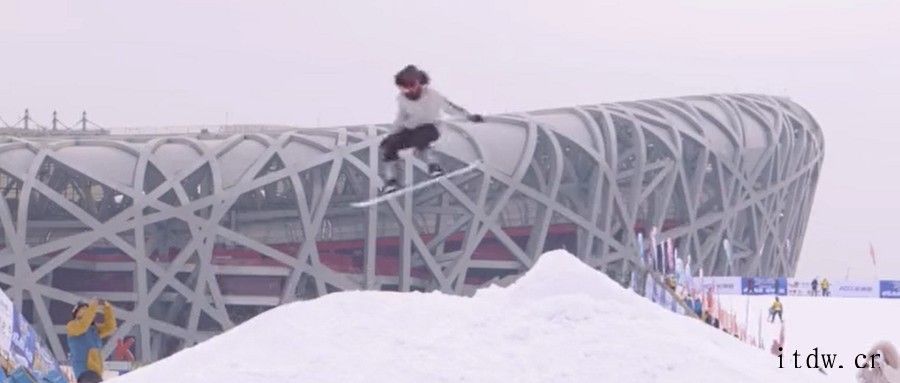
(407, 189)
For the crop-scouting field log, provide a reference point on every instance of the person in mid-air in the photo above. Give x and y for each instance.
(416, 126)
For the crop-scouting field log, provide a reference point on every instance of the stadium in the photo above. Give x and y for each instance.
(190, 234)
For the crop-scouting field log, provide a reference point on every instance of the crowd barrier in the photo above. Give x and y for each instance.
(888, 289)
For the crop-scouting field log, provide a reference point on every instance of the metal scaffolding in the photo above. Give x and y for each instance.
(191, 234)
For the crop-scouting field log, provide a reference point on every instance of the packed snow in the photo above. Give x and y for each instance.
(843, 326)
(561, 322)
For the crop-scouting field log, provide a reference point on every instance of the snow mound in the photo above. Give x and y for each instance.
(561, 322)
(558, 273)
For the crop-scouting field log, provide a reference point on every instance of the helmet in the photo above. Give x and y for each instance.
(409, 76)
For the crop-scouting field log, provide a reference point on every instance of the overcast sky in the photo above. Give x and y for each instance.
(322, 63)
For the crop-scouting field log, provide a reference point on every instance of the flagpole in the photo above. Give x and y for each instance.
(874, 264)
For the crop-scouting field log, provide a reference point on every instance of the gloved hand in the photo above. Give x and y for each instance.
(475, 118)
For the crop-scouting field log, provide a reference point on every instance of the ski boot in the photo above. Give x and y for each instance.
(390, 186)
(435, 170)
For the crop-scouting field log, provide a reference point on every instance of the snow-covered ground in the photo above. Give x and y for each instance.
(561, 322)
(842, 326)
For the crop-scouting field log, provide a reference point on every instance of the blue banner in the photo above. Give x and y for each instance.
(24, 349)
(23, 341)
(763, 286)
(889, 289)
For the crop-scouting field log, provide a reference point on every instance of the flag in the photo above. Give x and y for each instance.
(640, 240)
(747, 317)
(872, 253)
(727, 245)
(632, 284)
(689, 276)
(703, 297)
(670, 253)
(679, 270)
(648, 286)
(759, 331)
(661, 257)
(653, 254)
(713, 304)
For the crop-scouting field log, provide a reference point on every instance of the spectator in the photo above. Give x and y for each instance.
(698, 305)
(826, 287)
(85, 337)
(123, 350)
(775, 309)
(815, 287)
(670, 281)
(89, 377)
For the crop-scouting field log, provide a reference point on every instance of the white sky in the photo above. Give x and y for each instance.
(325, 63)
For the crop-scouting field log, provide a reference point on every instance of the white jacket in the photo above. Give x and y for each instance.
(425, 110)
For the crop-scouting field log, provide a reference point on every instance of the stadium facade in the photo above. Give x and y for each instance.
(191, 234)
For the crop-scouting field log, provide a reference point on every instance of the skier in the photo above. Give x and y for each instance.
(416, 125)
(815, 287)
(774, 310)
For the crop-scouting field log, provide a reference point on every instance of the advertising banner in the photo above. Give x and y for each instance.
(23, 339)
(798, 287)
(20, 345)
(44, 363)
(854, 289)
(764, 286)
(889, 289)
(6, 322)
(723, 285)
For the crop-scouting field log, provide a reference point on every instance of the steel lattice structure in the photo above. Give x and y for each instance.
(191, 234)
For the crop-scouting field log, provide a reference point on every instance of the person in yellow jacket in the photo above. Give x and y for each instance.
(85, 337)
(826, 287)
(775, 309)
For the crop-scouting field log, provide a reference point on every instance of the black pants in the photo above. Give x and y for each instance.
(419, 137)
(773, 314)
